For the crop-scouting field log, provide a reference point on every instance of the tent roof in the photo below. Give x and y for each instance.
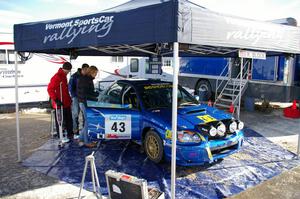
(143, 27)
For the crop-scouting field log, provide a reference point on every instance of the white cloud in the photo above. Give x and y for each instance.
(86, 3)
(9, 18)
(92, 5)
(13, 14)
(73, 8)
(47, 1)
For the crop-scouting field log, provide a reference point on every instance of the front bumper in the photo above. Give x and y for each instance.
(206, 151)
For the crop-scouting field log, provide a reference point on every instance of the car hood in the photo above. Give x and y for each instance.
(189, 116)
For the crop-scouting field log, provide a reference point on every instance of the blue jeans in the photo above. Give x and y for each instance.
(75, 113)
(84, 130)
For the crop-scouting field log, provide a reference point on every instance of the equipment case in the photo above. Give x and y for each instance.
(123, 186)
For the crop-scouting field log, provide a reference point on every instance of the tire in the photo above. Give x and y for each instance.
(203, 86)
(153, 146)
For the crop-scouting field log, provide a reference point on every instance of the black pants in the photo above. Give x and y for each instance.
(67, 121)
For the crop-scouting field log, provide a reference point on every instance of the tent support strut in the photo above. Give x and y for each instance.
(17, 107)
(174, 117)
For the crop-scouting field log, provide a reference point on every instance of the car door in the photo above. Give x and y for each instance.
(117, 115)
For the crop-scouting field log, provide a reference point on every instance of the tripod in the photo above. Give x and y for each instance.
(91, 159)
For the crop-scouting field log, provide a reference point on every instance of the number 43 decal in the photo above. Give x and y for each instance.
(118, 127)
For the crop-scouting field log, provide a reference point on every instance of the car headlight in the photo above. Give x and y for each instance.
(212, 131)
(221, 129)
(208, 129)
(188, 136)
(240, 125)
(233, 126)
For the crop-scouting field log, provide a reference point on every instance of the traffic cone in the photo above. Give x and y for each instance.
(209, 103)
(231, 108)
(294, 106)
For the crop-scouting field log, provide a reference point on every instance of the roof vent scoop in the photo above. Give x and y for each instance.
(195, 111)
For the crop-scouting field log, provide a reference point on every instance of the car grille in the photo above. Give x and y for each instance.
(224, 149)
(227, 135)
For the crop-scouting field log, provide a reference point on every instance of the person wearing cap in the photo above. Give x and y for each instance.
(60, 97)
(73, 92)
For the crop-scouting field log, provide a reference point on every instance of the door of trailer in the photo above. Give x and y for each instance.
(235, 68)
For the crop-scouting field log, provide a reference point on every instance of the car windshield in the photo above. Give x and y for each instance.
(156, 96)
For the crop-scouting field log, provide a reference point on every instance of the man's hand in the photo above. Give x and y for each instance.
(58, 102)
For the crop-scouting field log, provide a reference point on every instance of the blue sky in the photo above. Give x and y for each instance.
(19, 11)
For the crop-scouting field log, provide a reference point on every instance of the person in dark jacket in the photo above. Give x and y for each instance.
(60, 98)
(86, 91)
(73, 93)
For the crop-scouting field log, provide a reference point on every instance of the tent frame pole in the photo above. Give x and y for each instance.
(174, 116)
(240, 89)
(141, 50)
(298, 146)
(17, 107)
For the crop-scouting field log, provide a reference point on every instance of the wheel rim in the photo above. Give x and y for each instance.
(152, 147)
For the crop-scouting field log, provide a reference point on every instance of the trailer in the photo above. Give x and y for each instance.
(36, 69)
(32, 82)
(276, 79)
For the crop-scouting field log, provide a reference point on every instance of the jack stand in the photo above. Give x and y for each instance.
(97, 191)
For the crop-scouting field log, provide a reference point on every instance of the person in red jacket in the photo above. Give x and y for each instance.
(60, 97)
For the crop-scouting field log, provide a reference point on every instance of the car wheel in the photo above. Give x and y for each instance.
(153, 146)
(203, 87)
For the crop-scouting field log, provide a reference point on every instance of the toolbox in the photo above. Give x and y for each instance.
(123, 186)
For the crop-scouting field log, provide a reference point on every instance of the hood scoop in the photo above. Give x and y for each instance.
(189, 112)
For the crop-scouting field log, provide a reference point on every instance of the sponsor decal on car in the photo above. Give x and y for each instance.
(209, 153)
(168, 134)
(158, 86)
(206, 118)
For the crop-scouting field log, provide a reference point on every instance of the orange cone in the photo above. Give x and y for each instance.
(209, 103)
(231, 108)
(294, 106)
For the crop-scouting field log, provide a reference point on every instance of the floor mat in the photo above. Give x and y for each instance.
(258, 161)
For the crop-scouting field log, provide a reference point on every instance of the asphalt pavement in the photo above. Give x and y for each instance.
(17, 181)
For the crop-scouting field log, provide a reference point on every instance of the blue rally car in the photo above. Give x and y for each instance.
(141, 110)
